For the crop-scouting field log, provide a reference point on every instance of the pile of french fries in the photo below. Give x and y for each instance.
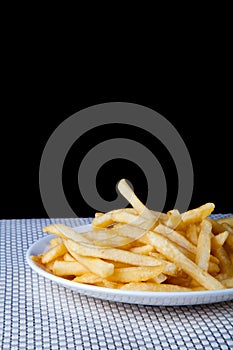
(144, 250)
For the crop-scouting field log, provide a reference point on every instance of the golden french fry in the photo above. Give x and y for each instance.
(229, 240)
(204, 245)
(37, 258)
(135, 220)
(154, 287)
(53, 253)
(197, 214)
(67, 268)
(68, 258)
(158, 279)
(55, 241)
(135, 274)
(64, 231)
(218, 240)
(192, 233)
(49, 265)
(103, 220)
(97, 214)
(213, 268)
(109, 284)
(174, 218)
(145, 249)
(131, 197)
(88, 277)
(118, 264)
(106, 238)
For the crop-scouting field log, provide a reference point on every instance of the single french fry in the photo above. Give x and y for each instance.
(68, 258)
(131, 197)
(158, 279)
(118, 264)
(68, 268)
(49, 265)
(98, 214)
(197, 214)
(174, 218)
(145, 249)
(55, 241)
(135, 274)
(204, 245)
(106, 238)
(154, 287)
(53, 253)
(167, 248)
(229, 240)
(135, 220)
(64, 231)
(218, 240)
(104, 220)
(213, 268)
(88, 277)
(192, 233)
(109, 284)
(117, 215)
(37, 258)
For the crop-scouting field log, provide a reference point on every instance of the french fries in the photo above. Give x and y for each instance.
(141, 249)
(204, 245)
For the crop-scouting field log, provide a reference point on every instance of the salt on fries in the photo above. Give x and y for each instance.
(141, 249)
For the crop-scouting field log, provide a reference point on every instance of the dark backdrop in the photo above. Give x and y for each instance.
(192, 89)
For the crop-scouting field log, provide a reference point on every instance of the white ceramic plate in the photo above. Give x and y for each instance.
(132, 297)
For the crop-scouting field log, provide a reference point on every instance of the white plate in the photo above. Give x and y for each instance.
(131, 297)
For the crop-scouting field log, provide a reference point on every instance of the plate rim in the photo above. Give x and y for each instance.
(82, 288)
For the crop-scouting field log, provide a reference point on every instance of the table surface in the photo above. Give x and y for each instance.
(36, 313)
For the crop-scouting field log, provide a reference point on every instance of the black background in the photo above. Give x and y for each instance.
(190, 85)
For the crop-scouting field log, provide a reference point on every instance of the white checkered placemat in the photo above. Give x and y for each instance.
(36, 313)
